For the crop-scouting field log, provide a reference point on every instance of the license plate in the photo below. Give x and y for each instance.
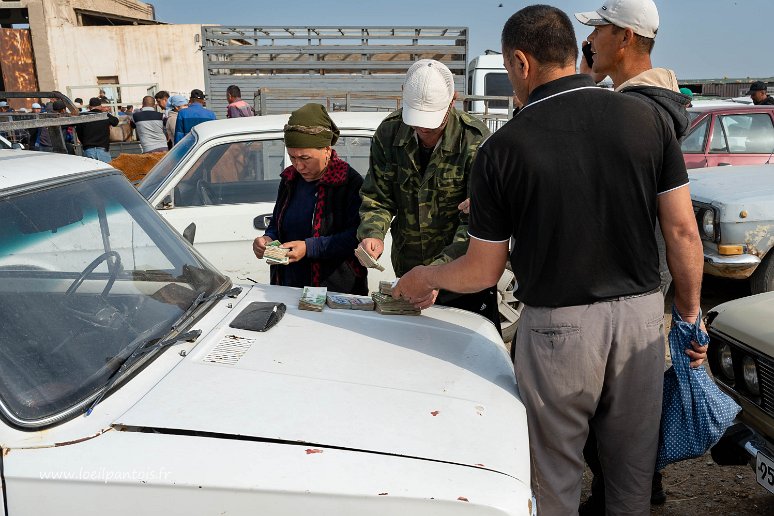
(764, 471)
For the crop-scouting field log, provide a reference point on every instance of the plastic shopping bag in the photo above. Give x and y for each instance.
(695, 413)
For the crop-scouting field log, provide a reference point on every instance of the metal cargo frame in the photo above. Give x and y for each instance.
(355, 59)
(12, 122)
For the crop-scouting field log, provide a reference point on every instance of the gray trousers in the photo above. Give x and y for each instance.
(598, 365)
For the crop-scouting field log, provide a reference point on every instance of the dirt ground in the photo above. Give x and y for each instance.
(699, 486)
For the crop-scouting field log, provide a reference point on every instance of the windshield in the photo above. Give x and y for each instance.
(497, 85)
(158, 174)
(87, 271)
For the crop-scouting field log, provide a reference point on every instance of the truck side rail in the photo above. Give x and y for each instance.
(277, 101)
(14, 121)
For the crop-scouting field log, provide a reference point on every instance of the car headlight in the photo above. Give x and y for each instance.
(708, 223)
(726, 361)
(750, 374)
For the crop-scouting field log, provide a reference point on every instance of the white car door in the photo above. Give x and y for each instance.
(227, 190)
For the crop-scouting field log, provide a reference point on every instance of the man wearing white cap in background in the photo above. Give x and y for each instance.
(421, 158)
(619, 47)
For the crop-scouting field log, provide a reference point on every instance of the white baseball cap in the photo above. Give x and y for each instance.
(35, 105)
(427, 93)
(639, 15)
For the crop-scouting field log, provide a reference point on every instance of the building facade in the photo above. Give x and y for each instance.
(80, 46)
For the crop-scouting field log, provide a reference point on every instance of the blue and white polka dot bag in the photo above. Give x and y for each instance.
(695, 413)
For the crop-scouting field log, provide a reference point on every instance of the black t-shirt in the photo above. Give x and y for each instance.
(574, 179)
(425, 154)
(96, 134)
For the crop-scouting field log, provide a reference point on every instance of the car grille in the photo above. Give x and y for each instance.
(766, 380)
(738, 351)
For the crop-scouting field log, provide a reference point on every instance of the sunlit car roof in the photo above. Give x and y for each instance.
(252, 124)
(736, 108)
(18, 168)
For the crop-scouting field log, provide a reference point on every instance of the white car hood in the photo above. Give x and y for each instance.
(748, 320)
(423, 387)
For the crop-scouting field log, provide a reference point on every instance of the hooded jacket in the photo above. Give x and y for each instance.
(658, 87)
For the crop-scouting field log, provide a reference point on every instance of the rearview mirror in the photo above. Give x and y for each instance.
(262, 221)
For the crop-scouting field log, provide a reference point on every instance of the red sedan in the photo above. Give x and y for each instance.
(729, 135)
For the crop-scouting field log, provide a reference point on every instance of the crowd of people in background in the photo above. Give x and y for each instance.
(162, 121)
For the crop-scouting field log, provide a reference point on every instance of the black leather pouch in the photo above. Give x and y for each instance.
(259, 316)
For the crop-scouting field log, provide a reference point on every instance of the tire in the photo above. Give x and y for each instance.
(509, 328)
(508, 306)
(762, 279)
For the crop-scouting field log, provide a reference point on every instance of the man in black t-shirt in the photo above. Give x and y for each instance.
(577, 179)
(95, 136)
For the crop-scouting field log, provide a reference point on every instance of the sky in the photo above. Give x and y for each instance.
(698, 39)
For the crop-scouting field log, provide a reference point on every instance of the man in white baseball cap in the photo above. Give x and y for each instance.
(421, 159)
(620, 46)
(427, 94)
(639, 15)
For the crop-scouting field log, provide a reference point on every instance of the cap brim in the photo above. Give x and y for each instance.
(425, 119)
(591, 18)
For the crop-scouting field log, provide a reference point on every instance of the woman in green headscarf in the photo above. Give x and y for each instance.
(316, 214)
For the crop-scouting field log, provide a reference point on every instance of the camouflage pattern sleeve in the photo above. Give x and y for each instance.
(378, 207)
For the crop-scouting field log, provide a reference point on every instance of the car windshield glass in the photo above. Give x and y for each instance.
(156, 177)
(498, 85)
(356, 151)
(87, 271)
(248, 171)
(694, 142)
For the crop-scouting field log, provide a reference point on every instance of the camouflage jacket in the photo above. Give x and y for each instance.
(427, 227)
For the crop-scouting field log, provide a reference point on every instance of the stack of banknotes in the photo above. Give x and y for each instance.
(313, 299)
(386, 305)
(276, 255)
(385, 287)
(367, 260)
(350, 301)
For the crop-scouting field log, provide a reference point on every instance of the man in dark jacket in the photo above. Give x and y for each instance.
(95, 136)
(759, 94)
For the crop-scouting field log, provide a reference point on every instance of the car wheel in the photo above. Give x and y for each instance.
(508, 306)
(762, 279)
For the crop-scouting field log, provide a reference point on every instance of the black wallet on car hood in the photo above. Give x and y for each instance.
(259, 316)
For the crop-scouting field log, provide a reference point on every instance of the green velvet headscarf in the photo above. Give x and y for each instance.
(310, 127)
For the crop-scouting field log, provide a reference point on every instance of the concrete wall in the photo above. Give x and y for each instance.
(48, 16)
(163, 54)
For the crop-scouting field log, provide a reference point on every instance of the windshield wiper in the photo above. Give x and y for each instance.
(141, 350)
